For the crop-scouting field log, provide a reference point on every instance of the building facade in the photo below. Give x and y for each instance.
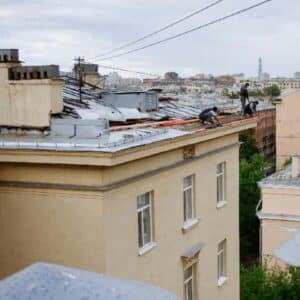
(287, 127)
(164, 214)
(265, 133)
(280, 217)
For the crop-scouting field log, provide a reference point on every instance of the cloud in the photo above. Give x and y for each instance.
(54, 31)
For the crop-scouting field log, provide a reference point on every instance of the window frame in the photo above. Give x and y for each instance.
(142, 231)
(186, 282)
(222, 267)
(184, 190)
(221, 202)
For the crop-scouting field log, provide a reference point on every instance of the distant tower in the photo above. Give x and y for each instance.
(260, 69)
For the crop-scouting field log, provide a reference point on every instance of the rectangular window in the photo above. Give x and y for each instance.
(221, 182)
(189, 283)
(222, 260)
(188, 197)
(144, 208)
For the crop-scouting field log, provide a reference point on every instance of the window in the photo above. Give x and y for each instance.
(189, 283)
(144, 208)
(188, 197)
(221, 262)
(221, 183)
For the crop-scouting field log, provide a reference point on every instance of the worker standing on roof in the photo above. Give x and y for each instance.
(250, 108)
(244, 95)
(209, 116)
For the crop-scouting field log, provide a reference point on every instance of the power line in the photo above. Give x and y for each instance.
(188, 31)
(159, 30)
(129, 71)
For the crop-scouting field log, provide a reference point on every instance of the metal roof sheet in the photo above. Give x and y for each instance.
(52, 282)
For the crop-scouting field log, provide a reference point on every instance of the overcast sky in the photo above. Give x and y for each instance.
(55, 31)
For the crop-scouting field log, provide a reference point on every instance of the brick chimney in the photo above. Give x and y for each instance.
(29, 94)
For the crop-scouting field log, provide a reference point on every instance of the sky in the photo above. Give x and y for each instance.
(56, 31)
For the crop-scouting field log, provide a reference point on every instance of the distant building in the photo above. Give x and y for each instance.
(265, 76)
(226, 80)
(283, 84)
(89, 73)
(171, 76)
(260, 70)
(238, 77)
(113, 80)
(297, 75)
(280, 216)
(200, 76)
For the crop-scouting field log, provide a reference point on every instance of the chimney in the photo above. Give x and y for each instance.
(295, 165)
(29, 94)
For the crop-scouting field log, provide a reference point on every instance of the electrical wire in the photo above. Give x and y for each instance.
(129, 71)
(188, 31)
(159, 30)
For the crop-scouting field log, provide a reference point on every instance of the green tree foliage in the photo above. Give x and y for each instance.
(248, 146)
(273, 91)
(251, 171)
(256, 93)
(258, 283)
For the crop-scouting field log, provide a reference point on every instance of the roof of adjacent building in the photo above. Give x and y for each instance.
(186, 107)
(52, 282)
(281, 179)
(289, 252)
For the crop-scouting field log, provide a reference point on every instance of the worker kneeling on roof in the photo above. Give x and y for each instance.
(209, 116)
(250, 108)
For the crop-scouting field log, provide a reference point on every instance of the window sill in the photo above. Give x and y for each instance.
(222, 281)
(221, 204)
(147, 248)
(189, 224)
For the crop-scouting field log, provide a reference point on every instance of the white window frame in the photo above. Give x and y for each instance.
(222, 173)
(185, 189)
(145, 247)
(221, 261)
(187, 281)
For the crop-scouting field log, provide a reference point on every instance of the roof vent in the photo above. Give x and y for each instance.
(79, 128)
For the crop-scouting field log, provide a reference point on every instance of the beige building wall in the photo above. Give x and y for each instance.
(28, 103)
(280, 220)
(287, 127)
(86, 216)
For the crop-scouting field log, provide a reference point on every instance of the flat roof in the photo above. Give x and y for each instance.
(117, 139)
(281, 179)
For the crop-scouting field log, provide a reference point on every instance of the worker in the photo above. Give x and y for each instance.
(209, 116)
(244, 95)
(250, 108)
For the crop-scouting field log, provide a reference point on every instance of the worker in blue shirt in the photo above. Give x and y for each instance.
(209, 116)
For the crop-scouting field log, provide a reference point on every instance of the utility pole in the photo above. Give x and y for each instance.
(79, 60)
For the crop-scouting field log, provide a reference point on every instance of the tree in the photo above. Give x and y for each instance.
(276, 284)
(273, 91)
(251, 171)
(248, 146)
